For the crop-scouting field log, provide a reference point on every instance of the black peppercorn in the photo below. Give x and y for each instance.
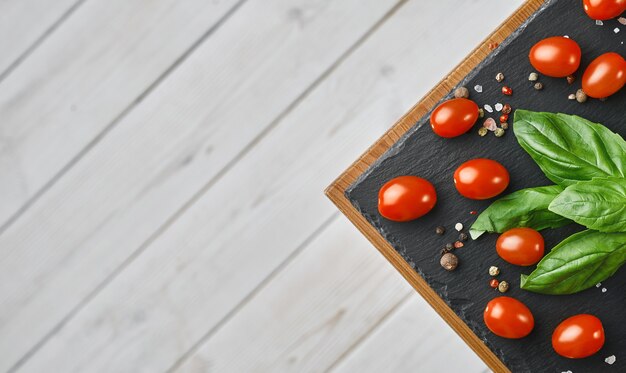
(440, 230)
(450, 246)
(449, 262)
(463, 236)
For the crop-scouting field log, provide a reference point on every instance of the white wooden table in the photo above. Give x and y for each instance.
(161, 172)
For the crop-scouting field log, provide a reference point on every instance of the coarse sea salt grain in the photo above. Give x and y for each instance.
(488, 108)
(599, 23)
(499, 106)
(616, 30)
(604, 290)
(458, 227)
(598, 284)
(622, 20)
(610, 360)
(490, 124)
(478, 88)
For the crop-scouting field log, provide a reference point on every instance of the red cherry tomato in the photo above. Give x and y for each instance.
(578, 336)
(481, 178)
(604, 9)
(520, 246)
(406, 198)
(454, 117)
(605, 75)
(508, 318)
(557, 56)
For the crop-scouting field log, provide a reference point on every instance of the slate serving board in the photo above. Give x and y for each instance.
(420, 152)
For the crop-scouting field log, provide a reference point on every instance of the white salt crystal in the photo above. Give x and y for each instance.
(604, 290)
(599, 23)
(458, 227)
(598, 284)
(616, 30)
(610, 360)
(488, 108)
(498, 106)
(478, 88)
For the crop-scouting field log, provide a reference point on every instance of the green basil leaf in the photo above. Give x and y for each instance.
(569, 148)
(598, 204)
(524, 208)
(577, 263)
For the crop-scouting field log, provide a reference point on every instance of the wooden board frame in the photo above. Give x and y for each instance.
(336, 191)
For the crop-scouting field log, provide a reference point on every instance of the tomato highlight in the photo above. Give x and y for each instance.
(406, 198)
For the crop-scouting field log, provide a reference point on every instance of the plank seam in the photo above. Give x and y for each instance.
(31, 48)
(170, 221)
(134, 103)
(368, 333)
(253, 293)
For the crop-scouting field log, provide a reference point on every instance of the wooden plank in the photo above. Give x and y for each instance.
(106, 210)
(414, 339)
(86, 75)
(24, 24)
(303, 320)
(336, 190)
(197, 271)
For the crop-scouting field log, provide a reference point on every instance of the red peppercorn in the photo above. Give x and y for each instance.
(504, 118)
(506, 109)
(458, 245)
(473, 212)
(507, 90)
(494, 283)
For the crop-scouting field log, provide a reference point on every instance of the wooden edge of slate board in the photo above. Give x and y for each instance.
(336, 191)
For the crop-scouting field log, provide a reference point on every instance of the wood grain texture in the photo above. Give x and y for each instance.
(289, 326)
(26, 23)
(190, 278)
(405, 343)
(336, 190)
(113, 202)
(99, 63)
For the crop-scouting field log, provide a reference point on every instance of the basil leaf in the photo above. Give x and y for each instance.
(524, 208)
(569, 148)
(598, 204)
(577, 263)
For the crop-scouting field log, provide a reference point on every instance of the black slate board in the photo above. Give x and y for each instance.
(422, 153)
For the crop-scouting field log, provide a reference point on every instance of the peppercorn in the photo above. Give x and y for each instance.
(463, 236)
(499, 132)
(450, 246)
(473, 212)
(461, 92)
(499, 77)
(494, 271)
(506, 109)
(503, 286)
(507, 90)
(482, 131)
(440, 230)
(449, 261)
(494, 283)
(581, 96)
(444, 251)
(533, 77)
(570, 79)
(481, 113)
(504, 118)
(504, 125)
(458, 245)
(538, 86)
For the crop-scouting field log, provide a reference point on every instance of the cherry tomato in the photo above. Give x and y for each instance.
(454, 117)
(406, 198)
(604, 9)
(557, 56)
(481, 178)
(520, 246)
(605, 75)
(578, 336)
(508, 318)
